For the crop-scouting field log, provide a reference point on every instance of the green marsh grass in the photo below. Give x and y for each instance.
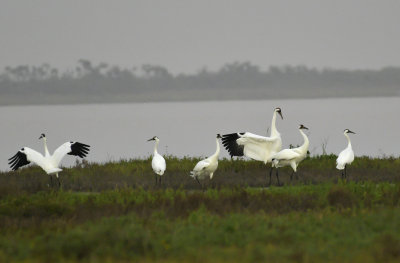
(137, 173)
(113, 212)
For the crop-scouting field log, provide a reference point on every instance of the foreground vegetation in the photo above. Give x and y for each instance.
(114, 213)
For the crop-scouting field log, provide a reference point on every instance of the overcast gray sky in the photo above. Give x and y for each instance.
(186, 35)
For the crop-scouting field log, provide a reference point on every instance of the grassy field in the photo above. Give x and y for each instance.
(114, 213)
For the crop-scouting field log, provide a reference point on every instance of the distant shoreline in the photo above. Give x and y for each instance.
(89, 83)
(6, 102)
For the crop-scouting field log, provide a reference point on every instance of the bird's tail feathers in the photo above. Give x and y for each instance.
(340, 166)
(53, 170)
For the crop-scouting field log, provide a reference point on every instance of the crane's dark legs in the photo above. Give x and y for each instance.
(270, 175)
(291, 176)
(202, 186)
(197, 179)
(277, 176)
(156, 178)
(345, 171)
(160, 179)
(51, 180)
(58, 179)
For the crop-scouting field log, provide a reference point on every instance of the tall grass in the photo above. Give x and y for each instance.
(327, 222)
(137, 173)
(113, 212)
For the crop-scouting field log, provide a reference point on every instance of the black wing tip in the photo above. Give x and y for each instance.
(18, 160)
(79, 149)
(229, 142)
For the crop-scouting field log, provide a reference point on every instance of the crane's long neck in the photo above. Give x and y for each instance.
(274, 131)
(155, 147)
(348, 139)
(216, 154)
(46, 151)
(306, 143)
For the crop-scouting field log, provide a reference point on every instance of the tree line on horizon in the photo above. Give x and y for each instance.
(106, 80)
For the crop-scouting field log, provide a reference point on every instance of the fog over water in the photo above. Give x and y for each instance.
(118, 131)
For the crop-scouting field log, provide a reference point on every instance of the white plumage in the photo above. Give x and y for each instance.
(49, 163)
(208, 166)
(158, 162)
(291, 157)
(258, 147)
(254, 146)
(346, 156)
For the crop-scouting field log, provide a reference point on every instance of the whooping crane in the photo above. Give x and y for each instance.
(254, 146)
(346, 156)
(49, 163)
(158, 162)
(208, 166)
(290, 157)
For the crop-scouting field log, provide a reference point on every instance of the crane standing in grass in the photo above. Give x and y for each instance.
(254, 146)
(346, 157)
(158, 162)
(49, 163)
(292, 156)
(208, 166)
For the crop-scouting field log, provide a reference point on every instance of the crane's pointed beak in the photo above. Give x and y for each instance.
(149, 140)
(280, 113)
(351, 132)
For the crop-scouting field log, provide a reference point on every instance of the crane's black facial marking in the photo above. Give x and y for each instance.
(348, 131)
(279, 111)
(42, 136)
(219, 136)
(303, 127)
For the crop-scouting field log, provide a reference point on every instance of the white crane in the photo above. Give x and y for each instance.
(291, 157)
(346, 156)
(49, 163)
(208, 166)
(254, 146)
(158, 162)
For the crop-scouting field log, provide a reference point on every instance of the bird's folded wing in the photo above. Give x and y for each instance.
(159, 162)
(286, 154)
(201, 165)
(257, 147)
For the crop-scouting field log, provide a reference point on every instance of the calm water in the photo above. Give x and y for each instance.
(118, 131)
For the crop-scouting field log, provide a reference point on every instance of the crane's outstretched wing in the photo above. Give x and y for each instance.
(258, 147)
(286, 154)
(70, 148)
(26, 156)
(230, 144)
